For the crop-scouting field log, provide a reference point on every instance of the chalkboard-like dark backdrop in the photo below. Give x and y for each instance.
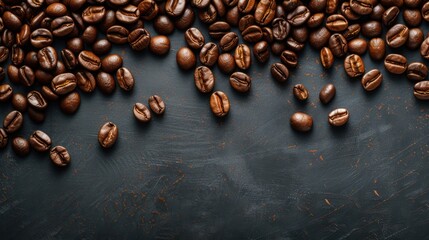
(189, 175)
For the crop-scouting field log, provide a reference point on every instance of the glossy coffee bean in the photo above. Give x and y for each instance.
(424, 48)
(354, 66)
(371, 29)
(36, 100)
(194, 38)
(421, 90)
(204, 79)
(64, 83)
(319, 37)
(69, 59)
(120, 35)
(105, 82)
(242, 56)
(62, 26)
(228, 42)
(372, 80)
(148, 9)
(89, 35)
(3, 138)
(6, 92)
(265, 11)
(279, 72)
(347, 11)
(111, 63)
(327, 93)
(361, 7)
(125, 79)
(415, 38)
(48, 58)
(186, 59)
(253, 34)
(13, 121)
(219, 104)
(20, 146)
(245, 22)
(40, 141)
(326, 57)
(48, 94)
(281, 29)
(357, 46)
(159, 45)
(301, 122)
(141, 112)
(390, 16)
(300, 92)
(417, 71)
(395, 63)
(70, 103)
(101, 47)
(218, 29)
(377, 49)
(26, 76)
(186, 20)
(108, 135)
(261, 51)
(175, 8)
(336, 23)
(209, 54)
(163, 25)
(240, 81)
(338, 45)
(89, 60)
(315, 20)
(412, 17)
(60, 156)
(299, 16)
(226, 63)
(289, 58)
(338, 117)
(352, 32)
(397, 36)
(139, 39)
(19, 102)
(377, 12)
(86, 81)
(93, 14)
(156, 104)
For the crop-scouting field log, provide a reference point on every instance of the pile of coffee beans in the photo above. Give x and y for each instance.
(338, 29)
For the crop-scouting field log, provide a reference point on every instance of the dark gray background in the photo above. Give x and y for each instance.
(189, 175)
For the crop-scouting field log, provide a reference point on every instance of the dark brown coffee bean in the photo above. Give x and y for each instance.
(4, 54)
(55, 9)
(415, 38)
(36, 100)
(70, 103)
(186, 59)
(326, 57)
(317, 6)
(156, 104)
(354, 66)
(128, 14)
(397, 36)
(19, 102)
(40, 141)
(240, 81)
(20, 146)
(279, 72)
(64, 83)
(377, 48)
(417, 71)
(299, 16)
(62, 26)
(390, 16)
(421, 90)
(138, 39)
(8, 38)
(395, 63)
(361, 7)
(125, 79)
(315, 20)
(319, 37)
(101, 47)
(175, 8)
(246, 6)
(108, 135)
(327, 93)
(48, 94)
(289, 58)
(48, 58)
(69, 59)
(245, 22)
(141, 112)
(26, 76)
(60, 156)
(331, 6)
(159, 45)
(11, 21)
(218, 29)
(338, 45)
(338, 117)
(252, 34)
(86, 81)
(300, 34)
(226, 62)
(377, 12)
(111, 63)
(242, 56)
(347, 12)
(357, 46)
(281, 29)
(89, 35)
(200, 3)
(265, 11)
(148, 9)
(208, 15)
(371, 29)
(336, 23)
(2, 74)
(209, 54)
(6, 92)
(372, 80)
(300, 92)
(301, 122)
(294, 45)
(3, 138)
(261, 51)
(13, 74)
(424, 48)
(219, 104)
(204, 79)
(195, 38)
(13, 121)
(105, 82)
(120, 35)
(277, 48)
(93, 14)
(163, 25)
(412, 17)
(17, 55)
(228, 42)
(89, 60)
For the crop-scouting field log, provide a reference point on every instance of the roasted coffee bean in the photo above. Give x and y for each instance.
(301, 122)
(315, 20)
(352, 32)
(412, 3)
(195, 38)
(6, 92)
(226, 62)
(186, 59)
(326, 57)
(111, 63)
(105, 82)
(377, 48)
(300, 34)
(347, 11)
(163, 25)
(412, 17)
(377, 12)
(40, 141)
(228, 42)
(175, 8)
(20, 146)
(4, 54)
(397, 36)
(371, 29)
(265, 11)
(361, 7)
(245, 22)
(424, 48)
(148, 9)
(101, 47)
(17, 55)
(36, 100)
(138, 39)
(89, 35)
(156, 104)
(64, 83)
(277, 48)
(62, 26)
(372, 80)
(8, 38)
(338, 117)
(294, 45)
(415, 38)
(31, 60)
(70, 103)
(417, 71)
(279, 72)
(159, 45)
(89, 60)
(120, 35)
(11, 21)
(19, 102)
(55, 9)
(395, 63)
(289, 59)
(48, 58)
(289, 5)
(219, 103)
(261, 51)
(338, 45)
(317, 6)
(86, 81)
(69, 59)
(128, 14)
(44, 77)
(200, 3)
(13, 121)
(13, 74)
(246, 6)
(2, 74)
(319, 38)
(125, 79)
(60, 156)
(209, 54)
(3, 138)
(204, 79)
(421, 90)
(299, 16)
(141, 112)
(354, 66)
(425, 11)
(108, 135)
(331, 6)
(48, 94)
(93, 14)
(336, 23)
(300, 92)
(357, 46)
(281, 29)
(390, 16)
(240, 81)
(218, 29)
(242, 57)
(26, 76)
(327, 93)
(208, 15)
(252, 34)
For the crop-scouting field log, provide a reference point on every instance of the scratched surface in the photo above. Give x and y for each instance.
(187, 175)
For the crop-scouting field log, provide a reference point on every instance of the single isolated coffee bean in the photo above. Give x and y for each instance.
(338, 117)
(395, 63)
(226, 62)
(159, 45)
(240, 81)
(242, 56)
(326, 58)
(108, 134)
(417, 71)
(40, 141)
(60, 156)
(301, 122)
(194, 38)
(279, 72)
(70, 103)
(185, 58)
(421, 90)
(354, 66)
(20, 146)
(3, 138)
(156, 104)
(204, 79)
(125, 79)
(219, 104)
(141, 112)
(300, 92)
(327, 93)
(372, 80)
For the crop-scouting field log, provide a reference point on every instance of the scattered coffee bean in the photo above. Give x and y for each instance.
(194, 38)
(240, 81)
(327, 93)
(354, 66)
(156, 104)
(417, 71)
(226, 62)
(108, 134)
(3, 138)
(279, 72)
(141, 112)
(421, 90)
(20, 146)
(159, 45)
(326, 57)
(70, 103)
(125, 79)
(40, 141)
(60, 156)
(204, 79)
(372, 80)
(301, 122)
(338, 117)
(111, 63)
(395, 63)
(185, 58)
(242, 56)
(105, 82)
(219, 104)
(300, 92)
